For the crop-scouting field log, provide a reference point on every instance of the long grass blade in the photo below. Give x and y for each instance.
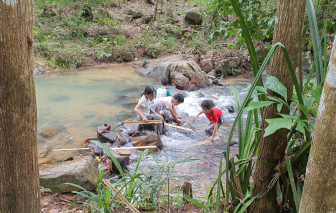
(219, 183)
(315, 40)
(249, 43)
(292, 182)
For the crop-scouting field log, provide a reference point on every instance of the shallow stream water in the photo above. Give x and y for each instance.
(75, 103)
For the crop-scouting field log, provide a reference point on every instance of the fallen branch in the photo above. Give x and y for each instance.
(179, 127)
(135, 147)
(71, 149)
(200, 143)
(142, 122)
(122, 198)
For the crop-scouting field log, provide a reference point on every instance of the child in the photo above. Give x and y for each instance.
(144, 112)
(215, 117)
(169, 103)
(163, 91)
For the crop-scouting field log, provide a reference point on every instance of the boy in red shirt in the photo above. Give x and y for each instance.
(215, 116)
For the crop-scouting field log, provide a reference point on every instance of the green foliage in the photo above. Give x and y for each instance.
(146, 189)
(259, 17)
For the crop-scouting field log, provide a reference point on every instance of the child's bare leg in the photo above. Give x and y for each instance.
(210, 128)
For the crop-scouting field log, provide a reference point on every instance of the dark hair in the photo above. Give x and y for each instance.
(208, 104)
(148, 90)
(179, 97)
(164, 81)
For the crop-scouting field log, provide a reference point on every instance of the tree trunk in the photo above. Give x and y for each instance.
(300, 66)
(155, 10)
(287, 30)
(320, 184)
(19, 174)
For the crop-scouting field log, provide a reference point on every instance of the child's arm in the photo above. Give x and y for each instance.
(137, 111)
(175, 115)
(198, 114)
(212, 138)
(176, 112)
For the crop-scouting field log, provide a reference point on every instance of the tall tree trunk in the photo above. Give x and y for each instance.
(320, 184)
(155, 10)
(287, 30)
(19, 174)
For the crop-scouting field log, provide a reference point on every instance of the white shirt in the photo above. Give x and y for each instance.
(145, 103)
(165, 102)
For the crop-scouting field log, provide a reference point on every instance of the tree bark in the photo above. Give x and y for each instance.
(287, 30)
(155, 10)
(320, 184)
(19, 174)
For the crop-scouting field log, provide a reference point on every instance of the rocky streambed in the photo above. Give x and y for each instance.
(186, 77)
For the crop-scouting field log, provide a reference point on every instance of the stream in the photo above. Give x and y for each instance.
(76, 103)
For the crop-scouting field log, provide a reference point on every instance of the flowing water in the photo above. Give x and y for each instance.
(75, 103)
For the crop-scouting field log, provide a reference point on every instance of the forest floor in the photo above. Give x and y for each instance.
(73, 34)
(63, 203)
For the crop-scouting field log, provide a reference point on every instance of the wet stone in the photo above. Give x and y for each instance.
(230, 109)
(122, 160)
(149, 140)
(82, 171)
(49, 132)
(106, 137)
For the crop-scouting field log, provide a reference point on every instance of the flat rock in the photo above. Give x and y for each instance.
(82, 171)
(49, 132)
(106, 137)
(148, 140)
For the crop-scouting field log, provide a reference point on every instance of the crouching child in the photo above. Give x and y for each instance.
(215, 116)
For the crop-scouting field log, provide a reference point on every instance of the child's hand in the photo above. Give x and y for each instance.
(179, 120)
(145, 119)
(212, 138)
(196, 118)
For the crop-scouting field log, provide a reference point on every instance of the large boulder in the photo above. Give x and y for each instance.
(82, 171)
(185, 75)
(160, 71)
(148, 140)
(206, 65)
(58, 57)
(229, 64)
(193, 18)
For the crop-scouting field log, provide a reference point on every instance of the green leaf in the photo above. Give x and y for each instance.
(288, 116)
(258, 104)
(316, 41)
(279, 193)
(261, 89)
(308, 101)
(275, 85)
(277, 123)
(304, 110)
(279, 107)
(317, 94)
(300, 127)
(291, 179)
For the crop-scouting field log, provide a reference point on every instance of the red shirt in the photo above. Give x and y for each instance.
(216, 115)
